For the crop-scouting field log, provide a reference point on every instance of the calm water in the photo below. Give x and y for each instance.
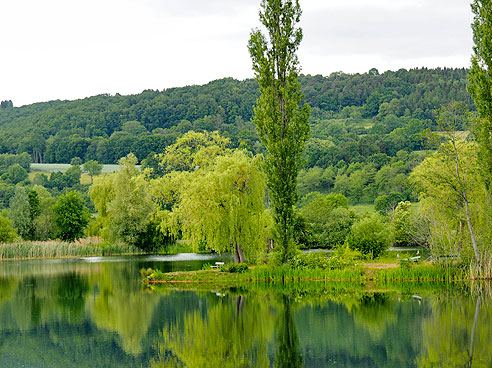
(95, 312)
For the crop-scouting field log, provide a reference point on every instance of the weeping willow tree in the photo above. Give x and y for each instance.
(280, 116)
(219, 205)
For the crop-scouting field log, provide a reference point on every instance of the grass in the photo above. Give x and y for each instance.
(363, 208)
(50, 168)
(365, 273)
(59, 249)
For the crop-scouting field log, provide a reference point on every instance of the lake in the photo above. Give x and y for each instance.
(96, 312)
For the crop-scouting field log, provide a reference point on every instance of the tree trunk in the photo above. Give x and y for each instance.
(472, 232)
(238, 254)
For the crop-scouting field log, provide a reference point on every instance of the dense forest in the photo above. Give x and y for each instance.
(354, 116)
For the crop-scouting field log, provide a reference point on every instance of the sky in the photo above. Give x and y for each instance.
(69, 49)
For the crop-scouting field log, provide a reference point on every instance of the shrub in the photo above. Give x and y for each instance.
(7, 231)
(234, 268)
(371, 236)
(342, 258)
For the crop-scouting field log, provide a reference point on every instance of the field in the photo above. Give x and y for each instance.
(49, 168)
(363, 208)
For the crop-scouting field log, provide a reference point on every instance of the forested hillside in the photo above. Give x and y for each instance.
(366, 131)
(106, 128)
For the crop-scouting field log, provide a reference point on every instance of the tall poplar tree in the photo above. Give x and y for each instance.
(480, 82)
(280, 116)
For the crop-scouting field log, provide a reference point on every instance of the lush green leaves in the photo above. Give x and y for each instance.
(71, 216)
(281, 120)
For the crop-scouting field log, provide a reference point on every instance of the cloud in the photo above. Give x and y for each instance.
(72, 49)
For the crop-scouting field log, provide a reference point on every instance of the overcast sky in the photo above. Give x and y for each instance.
(68, 49)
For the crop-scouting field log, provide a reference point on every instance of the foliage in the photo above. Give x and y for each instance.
(193, 150)
(220, 205)
(371, 235)
(20, 213)
(386, 203)
(480, 84)
(410, 227)
(15, 174)
(453, 197)
(342, 258)
(329, 219)
(234, 267)
(7, 160)
(71, 216)
(123, 203)
(281, 121)
(93, 168)
(7, 231)
(44, 222)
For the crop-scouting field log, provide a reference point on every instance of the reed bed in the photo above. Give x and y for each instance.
(260, 274)
(423, 273)
(58, 249)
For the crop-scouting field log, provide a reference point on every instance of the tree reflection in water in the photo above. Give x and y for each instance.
(288, 355)
(233, 333)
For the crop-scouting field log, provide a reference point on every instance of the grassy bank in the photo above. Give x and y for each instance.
(58, 249)
(364, 272)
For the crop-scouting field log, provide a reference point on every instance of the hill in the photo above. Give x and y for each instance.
(354, 116)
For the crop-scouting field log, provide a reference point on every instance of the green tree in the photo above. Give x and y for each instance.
(19, 212)
(93, 168)
(7, 231)
(454, 198)
(15, 174)
(44, 223)
(371, 235)
(123, 202)
(222, 206)
(76, 161)
(71, 216)
(480, 82)
(280, 117)
(72, 176)
(329, 219)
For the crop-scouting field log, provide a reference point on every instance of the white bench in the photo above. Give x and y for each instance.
(217, 265)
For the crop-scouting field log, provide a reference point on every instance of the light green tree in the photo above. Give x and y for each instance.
(453, 197)
(371, 235)
(44, 223)
(123, 202)
(192, 151)
(93, 168)
(7, 231)
(280, 117)
(19, 212)
(221, 206)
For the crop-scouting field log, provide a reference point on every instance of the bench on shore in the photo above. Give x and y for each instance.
(217, 265)
(411, 259)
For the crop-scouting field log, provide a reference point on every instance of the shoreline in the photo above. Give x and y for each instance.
(363, 273)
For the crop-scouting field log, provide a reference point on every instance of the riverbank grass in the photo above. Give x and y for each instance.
(59, 249)
(360, 272)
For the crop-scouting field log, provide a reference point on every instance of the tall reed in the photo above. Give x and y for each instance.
(58, 249)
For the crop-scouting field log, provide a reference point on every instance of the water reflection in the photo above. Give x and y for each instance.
(56, 314)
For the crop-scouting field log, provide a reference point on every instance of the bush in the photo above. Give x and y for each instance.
(7, 231)
(342, 258)
(234, 268)
(371, 236)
